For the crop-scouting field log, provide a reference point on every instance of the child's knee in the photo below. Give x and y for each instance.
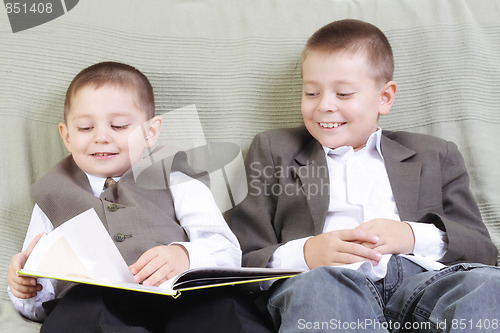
(314, 281)
(485, 278)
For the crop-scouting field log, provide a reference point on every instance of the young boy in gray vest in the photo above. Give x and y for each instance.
(383, 222)
(109, 121)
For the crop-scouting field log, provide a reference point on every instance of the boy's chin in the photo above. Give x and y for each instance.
(332, 144)
(106, 173)
(337, 142)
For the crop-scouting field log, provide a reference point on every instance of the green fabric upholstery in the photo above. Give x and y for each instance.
(238, 63)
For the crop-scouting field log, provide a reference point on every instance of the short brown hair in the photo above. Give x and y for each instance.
(354, 37)
(114, 74)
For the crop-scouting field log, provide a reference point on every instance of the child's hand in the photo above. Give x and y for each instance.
(23, 286)
(159, 264)
(395, 237)
(341, 247)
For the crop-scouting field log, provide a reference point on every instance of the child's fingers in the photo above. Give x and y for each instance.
(24, 295)
(16, 263)
(22, 280)
(349, 258)
(159, 276)
(156, 272)
(143, 260)
(150, 262)
(24, 288)
(396, 237)
(353, 252)
(33, 244)
(159, 264)
(338, 248)
(19, 260)
(25, 291)
(358, 235)
(146, 271)
(17, 279)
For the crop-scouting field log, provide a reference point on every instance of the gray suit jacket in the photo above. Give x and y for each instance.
(289, 193)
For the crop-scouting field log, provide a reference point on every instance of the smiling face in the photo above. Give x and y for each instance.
(341, 102)
(103, 130)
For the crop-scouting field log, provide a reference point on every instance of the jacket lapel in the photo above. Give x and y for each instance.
(404, 177)
(312, 170)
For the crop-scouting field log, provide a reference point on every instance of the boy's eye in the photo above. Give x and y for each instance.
(119, 127)
(344, 94)
(84, 128)
(311, 94)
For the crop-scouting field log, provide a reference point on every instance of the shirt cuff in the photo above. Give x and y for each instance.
(197, 256)
(28, 307)
(430, 242)
(290, 255)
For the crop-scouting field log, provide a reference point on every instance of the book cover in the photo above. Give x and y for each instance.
(82, 251)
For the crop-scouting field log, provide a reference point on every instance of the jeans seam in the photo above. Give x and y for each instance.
(375, 293)
(378, 298)
(389, 290)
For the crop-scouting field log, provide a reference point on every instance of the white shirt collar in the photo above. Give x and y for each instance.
(373, 142)
(97, 183)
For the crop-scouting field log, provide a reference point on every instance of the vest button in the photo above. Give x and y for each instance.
(112, 207)
(119, 237)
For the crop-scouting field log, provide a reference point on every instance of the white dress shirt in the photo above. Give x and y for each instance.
(211, 242)
(359, 192)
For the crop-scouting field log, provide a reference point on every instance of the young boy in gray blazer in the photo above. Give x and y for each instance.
(384, 222)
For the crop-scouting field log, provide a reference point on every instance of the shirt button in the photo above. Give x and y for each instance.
(112, 207)
(119, 237)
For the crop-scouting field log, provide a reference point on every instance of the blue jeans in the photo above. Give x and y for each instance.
(459, 298)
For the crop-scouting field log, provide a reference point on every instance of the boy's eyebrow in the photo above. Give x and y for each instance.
(334, 82)
(79, 117)
(113, 114)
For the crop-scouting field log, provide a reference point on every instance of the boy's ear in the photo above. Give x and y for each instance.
(387, 97)
(63, 131)
(152, 131)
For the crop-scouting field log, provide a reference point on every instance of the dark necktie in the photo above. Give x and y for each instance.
(109, 182)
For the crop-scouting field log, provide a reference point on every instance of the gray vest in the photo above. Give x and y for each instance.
(138, 212)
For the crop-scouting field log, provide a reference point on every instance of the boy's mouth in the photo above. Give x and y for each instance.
(331, 125)
(103, 154)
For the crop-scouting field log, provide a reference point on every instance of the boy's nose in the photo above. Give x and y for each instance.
(327, 103)
(102, 135)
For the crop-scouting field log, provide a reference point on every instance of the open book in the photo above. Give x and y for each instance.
(82, 251)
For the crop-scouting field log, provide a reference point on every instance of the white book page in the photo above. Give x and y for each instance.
(80, 247)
